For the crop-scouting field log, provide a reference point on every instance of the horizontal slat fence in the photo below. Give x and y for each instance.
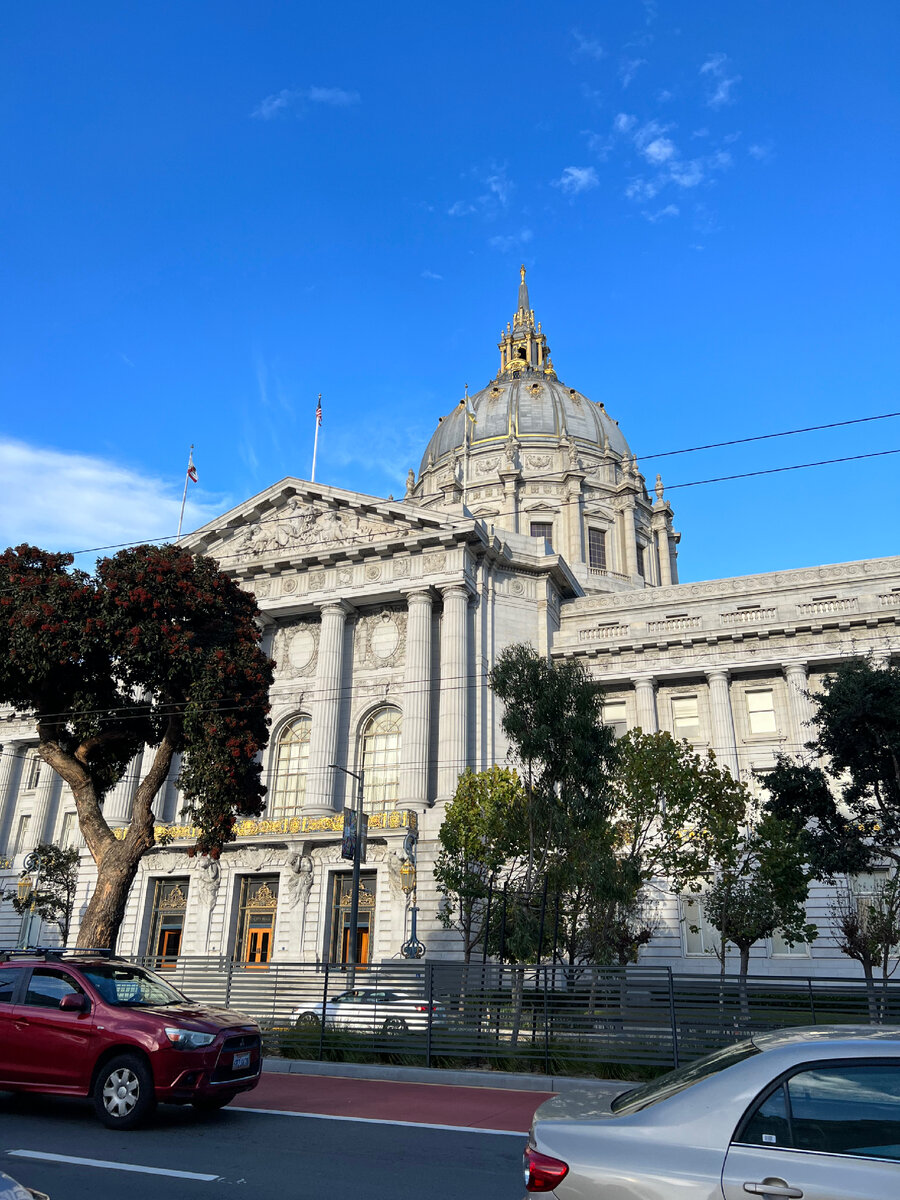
(584, 1020)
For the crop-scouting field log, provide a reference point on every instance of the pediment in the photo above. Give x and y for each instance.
(295, 520)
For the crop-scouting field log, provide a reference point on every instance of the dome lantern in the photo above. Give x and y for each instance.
(523, 347)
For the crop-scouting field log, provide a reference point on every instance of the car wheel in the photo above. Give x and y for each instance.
(211, 1104)
(123, 1092)
(307, 1020)
(394, 1025)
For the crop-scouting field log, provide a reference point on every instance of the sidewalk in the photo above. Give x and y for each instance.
(295, 1088)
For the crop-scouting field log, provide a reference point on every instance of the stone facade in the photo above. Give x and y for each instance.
(529, 522)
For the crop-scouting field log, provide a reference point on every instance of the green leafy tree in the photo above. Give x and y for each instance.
(56, 882)
(481, 838)
(157, 648)
(866, 927)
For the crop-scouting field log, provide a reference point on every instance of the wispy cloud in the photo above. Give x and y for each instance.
(426, 274)
(628, 68)
(716, 69)
(587, 47)
(295, 100)
(624, 122)
(511, 241)
(65, 501)
(760, 151)
(575, 180)
(670, 210)
(493, 199)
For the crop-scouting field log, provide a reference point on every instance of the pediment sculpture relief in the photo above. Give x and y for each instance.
(299, 525)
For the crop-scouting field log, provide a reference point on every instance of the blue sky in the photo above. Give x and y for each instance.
(212, 212)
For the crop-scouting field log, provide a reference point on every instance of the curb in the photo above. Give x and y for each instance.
(440, 1075)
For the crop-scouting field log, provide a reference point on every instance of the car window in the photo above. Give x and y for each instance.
(684, 1077)
(377, 997)
(47, 987)
(347, 998)
(768, 1124)
(9, 978)
(123, 985)
(847, 1109)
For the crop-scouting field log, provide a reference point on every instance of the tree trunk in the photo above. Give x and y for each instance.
(100, 925)
(744, 970)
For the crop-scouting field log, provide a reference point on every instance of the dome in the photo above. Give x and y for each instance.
(526, 402)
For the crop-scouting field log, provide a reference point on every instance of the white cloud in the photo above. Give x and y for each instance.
(587, 47)
(500, 186)
(426, 274)
(292, 100)
(759, 152)
(665, 96)
(716, 69)
(670, 210)
(66, 501)
(629, 68)
(624, 122)
(575, 180)
(506, 242)
(687, 174)
(660, 150)
(337, 97)
(642, 189)
(460, 208)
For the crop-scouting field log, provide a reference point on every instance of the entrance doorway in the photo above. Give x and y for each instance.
(167, 921)
(256, 921)
(342, 897)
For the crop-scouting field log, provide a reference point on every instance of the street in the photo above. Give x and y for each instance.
(261, 1154)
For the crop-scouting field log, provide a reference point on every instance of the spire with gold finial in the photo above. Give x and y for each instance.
(523, 347)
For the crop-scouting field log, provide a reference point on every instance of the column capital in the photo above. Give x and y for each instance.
(800, 668)
(419, 595)
(450, 590)
(644, 680)
(336, 606)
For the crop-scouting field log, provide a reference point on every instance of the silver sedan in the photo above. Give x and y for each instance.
(808, 1113)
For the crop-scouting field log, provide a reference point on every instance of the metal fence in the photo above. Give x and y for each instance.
(583, 1020)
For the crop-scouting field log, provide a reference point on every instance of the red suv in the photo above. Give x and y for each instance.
(92, 1025)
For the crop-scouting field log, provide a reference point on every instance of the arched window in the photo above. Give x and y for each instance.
(381, 760)
(288, 790)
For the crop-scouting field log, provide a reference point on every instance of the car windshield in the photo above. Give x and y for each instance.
(684, 1077)
(124, 985)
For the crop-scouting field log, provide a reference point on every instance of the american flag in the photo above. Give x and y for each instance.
(319, 410)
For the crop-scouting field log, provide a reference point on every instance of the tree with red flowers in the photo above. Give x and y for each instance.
(158, 648)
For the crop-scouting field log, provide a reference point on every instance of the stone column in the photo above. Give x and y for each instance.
(724, 741)
(452, 755)
(510, 517)
(325, 709)
(10, 765)
(41, 820)
(797, 681)
(645, 696)
(629, 537)
(665, 557)
(573, 519)
(416, 701)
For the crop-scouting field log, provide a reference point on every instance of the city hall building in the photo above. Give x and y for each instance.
(528, 521)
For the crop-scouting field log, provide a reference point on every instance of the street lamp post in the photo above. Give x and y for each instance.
(27, 891)
(357, 854)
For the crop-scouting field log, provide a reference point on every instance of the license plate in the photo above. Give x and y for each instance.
(241, 1060)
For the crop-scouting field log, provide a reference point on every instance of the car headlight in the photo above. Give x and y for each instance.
(188, 1039)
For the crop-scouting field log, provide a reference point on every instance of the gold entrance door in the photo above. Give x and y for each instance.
(256, 929)
(342, 897)
(362, 945)
(169, 945)
(259, 947)
(167, 922)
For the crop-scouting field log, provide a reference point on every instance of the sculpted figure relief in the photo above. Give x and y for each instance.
(303, 524)
(300, 880)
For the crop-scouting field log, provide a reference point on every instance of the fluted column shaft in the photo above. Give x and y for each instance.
(48, 786)
(724, 741)
(797, 680)
(325, 710)
(10, 764)
(452, 753)
(629, 536)
(665, 557)
(416, 701)
(645, 696)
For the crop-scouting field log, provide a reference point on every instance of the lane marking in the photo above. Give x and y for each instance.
(111, 1166)
(285, 1112)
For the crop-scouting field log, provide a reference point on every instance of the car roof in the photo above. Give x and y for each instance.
(779, 1038)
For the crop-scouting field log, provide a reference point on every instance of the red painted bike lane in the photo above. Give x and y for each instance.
(384, 1100)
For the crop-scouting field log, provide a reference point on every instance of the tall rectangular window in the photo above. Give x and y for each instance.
(69, 833)
(700, 936)
(31, 770)
(256, 920)
(542, 529)
(640, 561)
(761, 711)
(22, 843)
(597, 549)
(615, 715)
(685, 718)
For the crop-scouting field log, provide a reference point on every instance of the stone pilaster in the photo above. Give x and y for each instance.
(452, 747)
(416, 701)
(48, 787)
(629, 537)
(645, 697)
(510, 516)
(325, 709)
(10, 770)
(724, 741)
(797, 681)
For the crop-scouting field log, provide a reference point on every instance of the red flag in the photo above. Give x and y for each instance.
(192, 470)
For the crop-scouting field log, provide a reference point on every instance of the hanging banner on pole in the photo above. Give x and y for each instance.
(352, 832)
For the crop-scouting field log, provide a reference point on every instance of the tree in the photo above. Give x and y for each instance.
(56, 883)
(157, 648)
(867, 928)
(480, 837)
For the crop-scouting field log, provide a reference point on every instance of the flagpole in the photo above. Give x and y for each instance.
(312, 477)
(187, 475)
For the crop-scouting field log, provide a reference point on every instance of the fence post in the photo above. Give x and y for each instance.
(487, 922)
(812, 1000)
(429, 991)
(322, 1022)
(228, 973)
(546, 1029)
(672, 1018)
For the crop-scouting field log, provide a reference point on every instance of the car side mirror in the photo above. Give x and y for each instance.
(74, 1002)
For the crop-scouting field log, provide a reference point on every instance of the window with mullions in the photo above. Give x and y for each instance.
(761, 712)
(291, 768)
(167, 920)
(381, 760)
(597, 549)
(22, 843)
(685, 718)
(542, 529)
(31, 770)
(700, 935)
(256, 920)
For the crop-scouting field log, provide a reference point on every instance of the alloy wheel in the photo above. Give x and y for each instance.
(121, 1092)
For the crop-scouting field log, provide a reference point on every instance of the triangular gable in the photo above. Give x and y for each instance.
(298, 518)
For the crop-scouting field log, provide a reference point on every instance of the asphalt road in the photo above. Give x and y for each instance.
(257, 1155)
